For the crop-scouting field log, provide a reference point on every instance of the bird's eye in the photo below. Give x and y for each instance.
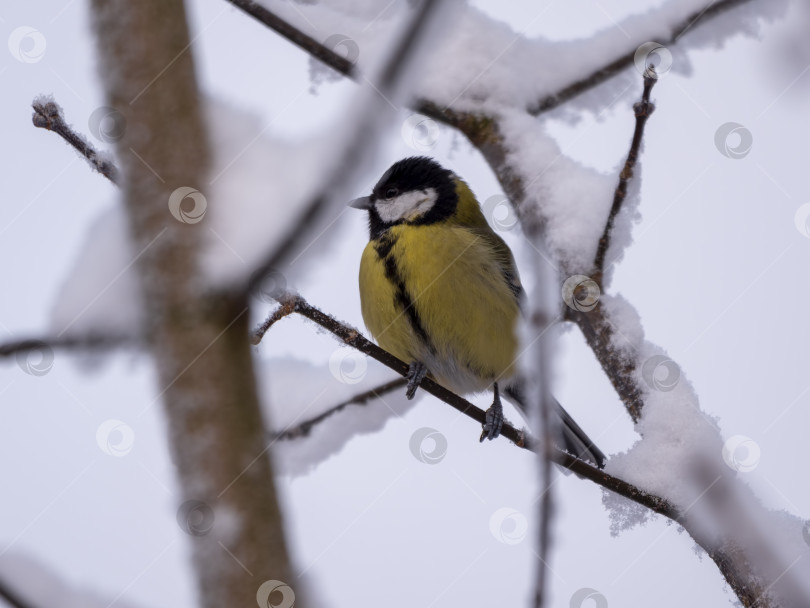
(391, 192)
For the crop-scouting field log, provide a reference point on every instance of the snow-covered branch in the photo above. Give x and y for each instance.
(699, 16)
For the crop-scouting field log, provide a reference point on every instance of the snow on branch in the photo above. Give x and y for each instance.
(48, 115)
(698, 17)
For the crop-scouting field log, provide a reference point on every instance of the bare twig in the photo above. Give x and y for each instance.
(48, 115)
(520, 438)
(93, 342)
(619, 64)
(643, 109)
(303, 429)
(286, 307)
(297, 37)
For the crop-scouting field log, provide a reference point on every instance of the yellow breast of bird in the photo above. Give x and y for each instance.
(436, 294)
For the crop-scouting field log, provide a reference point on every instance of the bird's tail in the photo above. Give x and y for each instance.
(573, 439)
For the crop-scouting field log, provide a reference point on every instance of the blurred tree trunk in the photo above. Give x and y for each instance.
(198, 339)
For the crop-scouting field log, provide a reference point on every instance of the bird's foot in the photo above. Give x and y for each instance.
(494, 420)
(416, 373)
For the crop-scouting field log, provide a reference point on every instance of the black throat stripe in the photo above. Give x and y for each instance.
(403, 299)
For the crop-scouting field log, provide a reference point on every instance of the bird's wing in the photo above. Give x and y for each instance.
(505, 260)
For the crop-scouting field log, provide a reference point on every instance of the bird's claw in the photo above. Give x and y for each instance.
(494, 419)
(416, 373)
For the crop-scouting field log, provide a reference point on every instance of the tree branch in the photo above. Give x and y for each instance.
(620, 64)
(323, 54)
(550, 102)
(303, 429)
(48, 115)
(295, 303)
(94, 342)
(198, 339)
(643, 109)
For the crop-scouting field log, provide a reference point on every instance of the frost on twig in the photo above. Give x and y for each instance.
(48, 115)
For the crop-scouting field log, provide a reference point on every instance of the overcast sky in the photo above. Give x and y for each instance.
(717, 272)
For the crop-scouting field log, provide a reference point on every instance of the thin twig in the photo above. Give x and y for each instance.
(48, 115)
(619, 64)
(520, 438)
(95, 342)
(286, 307)
(643, 109)
(303, 429)
(297, 37)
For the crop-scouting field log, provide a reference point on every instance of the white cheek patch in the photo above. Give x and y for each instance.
(407, 206)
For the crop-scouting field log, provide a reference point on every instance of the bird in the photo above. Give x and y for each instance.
(440, 290)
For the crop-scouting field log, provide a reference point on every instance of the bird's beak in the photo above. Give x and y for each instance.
(364, 202)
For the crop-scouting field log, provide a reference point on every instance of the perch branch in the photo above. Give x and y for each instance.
(353, 338)
(48, 115)
(643, 109)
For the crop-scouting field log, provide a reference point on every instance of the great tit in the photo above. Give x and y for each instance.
(440, 290)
